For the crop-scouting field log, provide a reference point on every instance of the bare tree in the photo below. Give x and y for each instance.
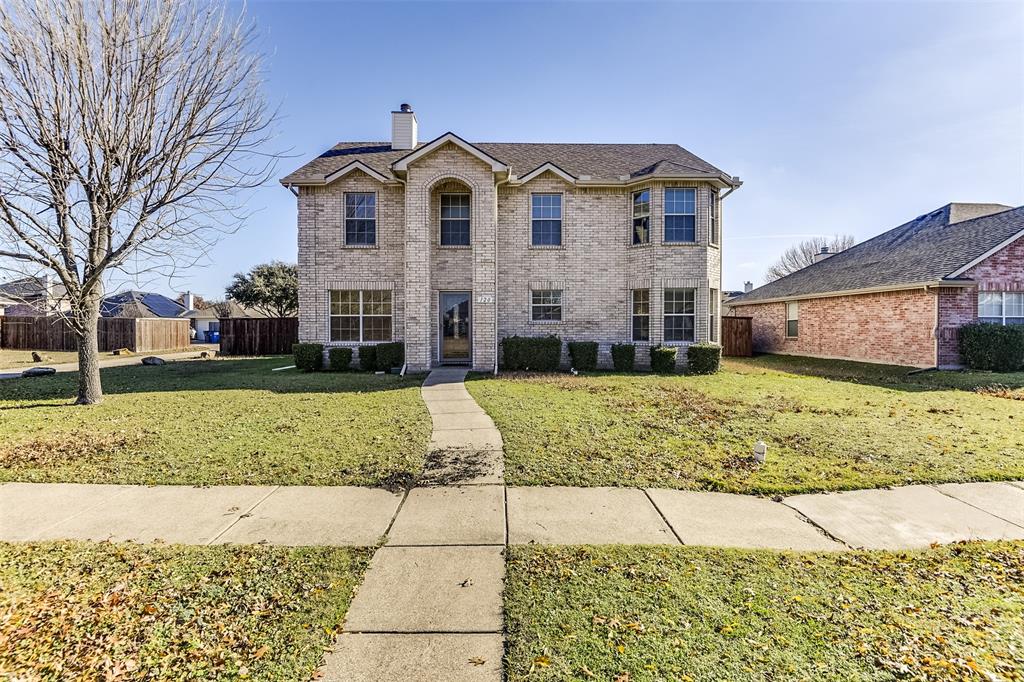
(128, 129)
(800, 256)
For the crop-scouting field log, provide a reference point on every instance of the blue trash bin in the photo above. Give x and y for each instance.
(206, 335)
(214, 337)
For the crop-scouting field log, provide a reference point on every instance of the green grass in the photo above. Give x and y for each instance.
(698, 432)
(94, 611)
(216, 422)
(686, 613)
(10, 359)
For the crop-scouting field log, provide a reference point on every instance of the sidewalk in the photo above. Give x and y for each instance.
(133, 359)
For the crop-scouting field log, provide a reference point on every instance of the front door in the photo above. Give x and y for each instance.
(456, 344)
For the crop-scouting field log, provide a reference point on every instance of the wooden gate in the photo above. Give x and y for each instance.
(258, 335)
(738, 336)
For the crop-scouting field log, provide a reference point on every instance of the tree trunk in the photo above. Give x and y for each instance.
(90, 391)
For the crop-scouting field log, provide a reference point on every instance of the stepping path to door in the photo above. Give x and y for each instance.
(430, 605)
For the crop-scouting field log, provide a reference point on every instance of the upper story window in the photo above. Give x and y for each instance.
(641, 309)
(360, 316)
(546, 305)
(360, 218)
(680, 215)
(642, 217)
(454, 220)
(712, 314)
(680, 314)
(1001, 307)
(546, 219)
(793, 319)
(713, 218)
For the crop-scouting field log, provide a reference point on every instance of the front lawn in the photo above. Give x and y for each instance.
(11, 359)
(698, 432)
(101, 611)
(216, 422)
(686, 613)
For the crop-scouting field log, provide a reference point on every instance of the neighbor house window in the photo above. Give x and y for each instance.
(546, 219)
(361, 316)
(546, 305)
(713, 218)
(680, 215)
(680, 314)
(1001, 307)
(454, 220)
(792, 319)
(713, 315)
(360, 218)
(642, 217)
(641, 314)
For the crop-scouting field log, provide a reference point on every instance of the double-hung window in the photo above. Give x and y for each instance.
(642, 217)
(1001, 307)
(546, 219)
(360, 316)
(641, 312)
(712, 218)
(680, 314)
(680, 215)
(793, 319)
(454, 220)
(360, 218)
(713, 315)
(546, 305)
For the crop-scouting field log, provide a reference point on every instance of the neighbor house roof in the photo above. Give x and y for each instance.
(612, 163)
(929, 250)
(215, 311)
(139, 304)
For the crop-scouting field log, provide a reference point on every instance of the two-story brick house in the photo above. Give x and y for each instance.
(450, 246)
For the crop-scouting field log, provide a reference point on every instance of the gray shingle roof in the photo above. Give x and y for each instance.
(925, 250)
(600, 161)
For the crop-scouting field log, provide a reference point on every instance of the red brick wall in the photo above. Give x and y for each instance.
(1003, 271)
(891, 327)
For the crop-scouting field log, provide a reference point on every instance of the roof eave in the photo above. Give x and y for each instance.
(953, 283)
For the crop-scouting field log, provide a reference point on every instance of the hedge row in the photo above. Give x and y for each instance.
(309, 357)
(992, 347)
(543, 354)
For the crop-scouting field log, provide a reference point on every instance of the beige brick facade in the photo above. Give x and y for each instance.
(596, 267)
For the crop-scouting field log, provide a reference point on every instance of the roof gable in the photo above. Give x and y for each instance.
(448, 138)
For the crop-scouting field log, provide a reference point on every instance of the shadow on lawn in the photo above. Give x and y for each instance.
(201, 375)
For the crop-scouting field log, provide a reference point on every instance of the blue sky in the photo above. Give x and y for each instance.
(839, 117)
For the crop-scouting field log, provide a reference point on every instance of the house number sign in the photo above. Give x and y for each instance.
(485, 298)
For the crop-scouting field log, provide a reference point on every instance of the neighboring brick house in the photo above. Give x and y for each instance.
(901, 297)
(451, 246)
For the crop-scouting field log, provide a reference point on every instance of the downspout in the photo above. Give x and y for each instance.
(405, 364)
(496, 185)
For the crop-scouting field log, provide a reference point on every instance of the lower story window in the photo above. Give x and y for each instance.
(360, 315)
(641, 314)
(680, 314)
(713, 315)
(1001, 307)
(546, 305)
(792, 319)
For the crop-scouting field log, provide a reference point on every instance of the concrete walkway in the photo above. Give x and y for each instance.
(118, 361)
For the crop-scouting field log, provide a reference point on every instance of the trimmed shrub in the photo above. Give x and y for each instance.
(663, 359)
(623, 357)
(584, 355)
(339, 359)
(703, 358)
(390, 355)
(368, 358)
(309, 357)
(540, 354)
(994, 347)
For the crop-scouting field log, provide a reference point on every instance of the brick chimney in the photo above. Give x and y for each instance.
(823, 254)
(748, 287)
(403, 128)
(959, 212)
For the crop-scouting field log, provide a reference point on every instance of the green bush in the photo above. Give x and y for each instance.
(368, 358)
(584, 355)
(309, 357)
(390, 355)
(663, 359)
(339, 359)
(994, 347)
(703, 358)
(540, 354)
(623, 357)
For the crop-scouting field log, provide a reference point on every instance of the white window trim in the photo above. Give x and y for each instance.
(440, 217)
(561, 305)
(666, 214)
(789, 319)
(633, 338)
(361, 341)
(1003, 317)
(345, 219)
(649, 216)
(561, 220)
(665, 315)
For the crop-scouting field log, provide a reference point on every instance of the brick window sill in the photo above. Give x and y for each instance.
(455, 247)
(552, 247)
(359, 246)
(546, 322)
(691, 244)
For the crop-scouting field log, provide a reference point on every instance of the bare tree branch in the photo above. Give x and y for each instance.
(800, 256)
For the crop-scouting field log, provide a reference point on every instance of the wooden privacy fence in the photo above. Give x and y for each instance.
(258, 335)
(738, 336)
(54, 333)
